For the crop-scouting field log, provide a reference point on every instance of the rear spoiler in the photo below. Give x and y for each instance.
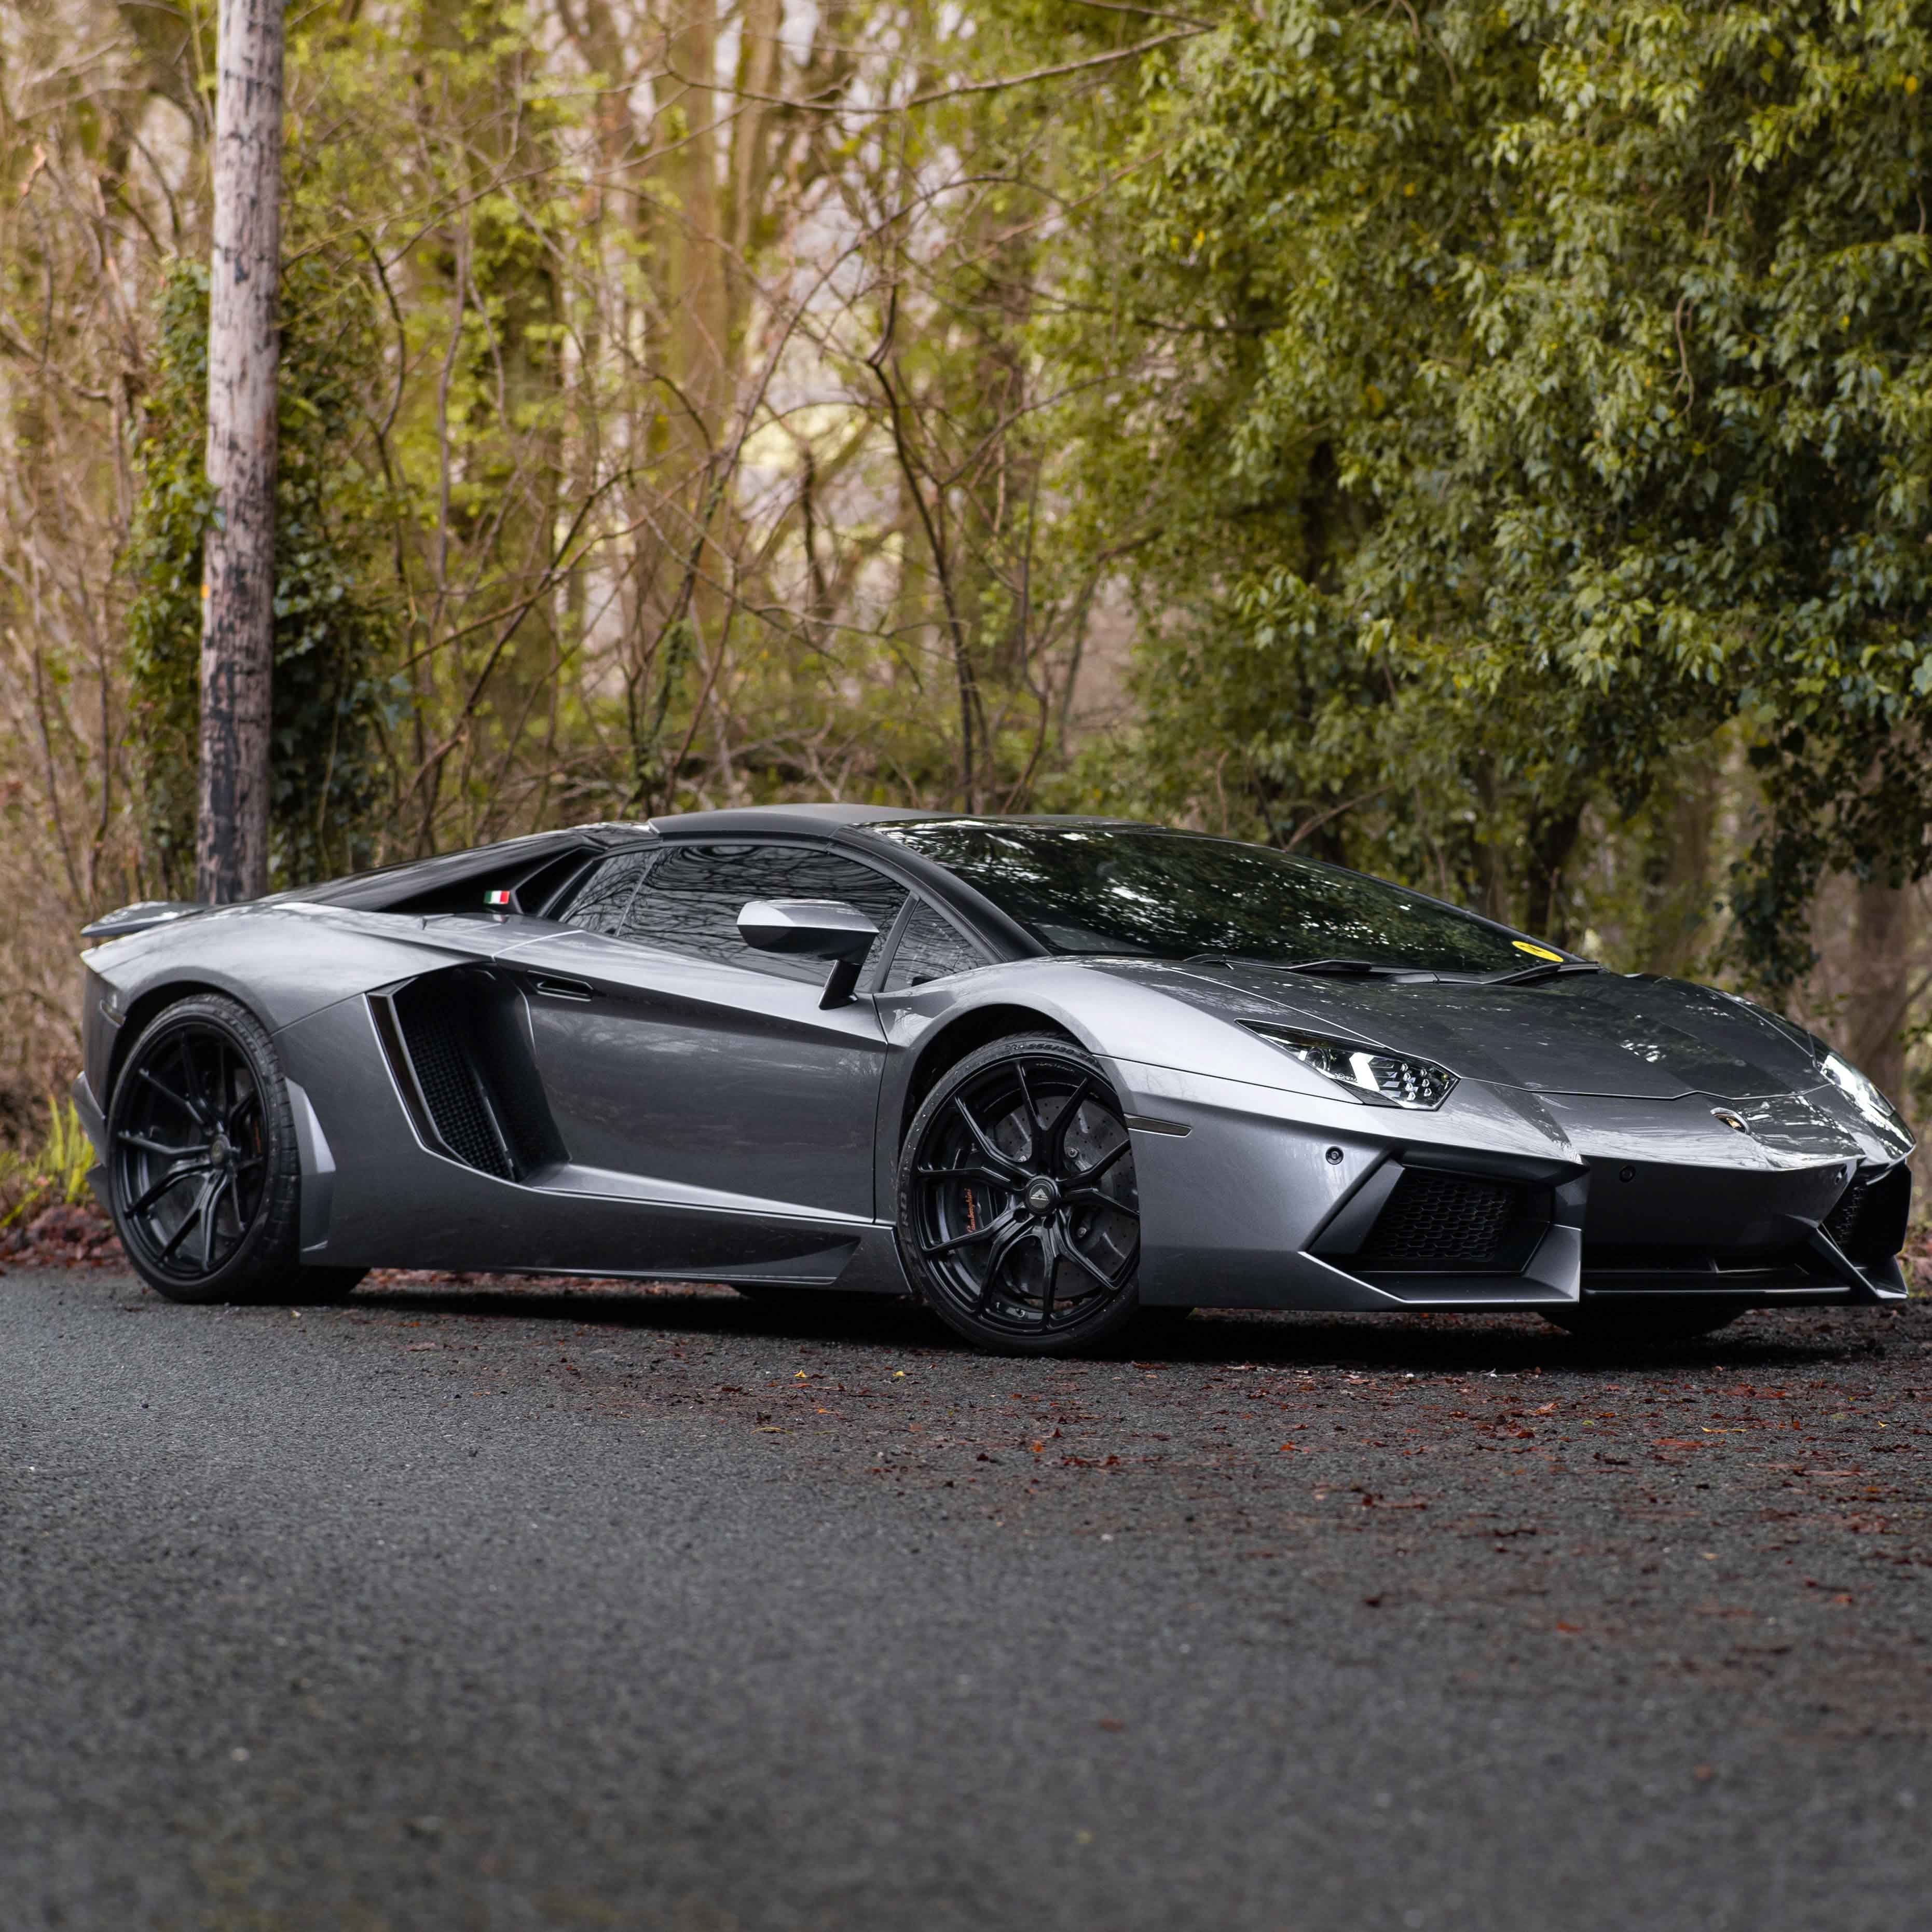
(142, 916)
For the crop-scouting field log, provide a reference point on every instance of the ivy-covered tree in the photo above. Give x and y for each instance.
(333, 637)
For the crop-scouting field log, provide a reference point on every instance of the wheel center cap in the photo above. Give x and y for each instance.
(218, 1149)
(1042, 1196)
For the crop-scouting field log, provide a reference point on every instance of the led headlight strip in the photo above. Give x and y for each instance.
(1393, 1079)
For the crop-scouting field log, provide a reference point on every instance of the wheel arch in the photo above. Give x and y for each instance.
(965, 1033)
(142, 1009)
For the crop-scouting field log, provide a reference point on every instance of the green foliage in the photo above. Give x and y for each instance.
(52, 1174)
(333, 639)
(1535, 389)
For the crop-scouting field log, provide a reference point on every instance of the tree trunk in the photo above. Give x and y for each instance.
(1677, 892)
(1879, 984)
(239, 561)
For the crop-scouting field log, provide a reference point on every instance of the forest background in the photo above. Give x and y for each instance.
(1488, 445)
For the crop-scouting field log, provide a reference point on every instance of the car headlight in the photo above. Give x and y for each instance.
(1393, 1079)
(1863, 1094)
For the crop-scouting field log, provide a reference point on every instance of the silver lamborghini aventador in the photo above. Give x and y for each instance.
(1043, 1073)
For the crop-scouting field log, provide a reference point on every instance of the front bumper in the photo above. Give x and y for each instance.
(1256, 1197)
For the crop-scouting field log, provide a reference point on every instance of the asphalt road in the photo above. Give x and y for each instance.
(479, 1609)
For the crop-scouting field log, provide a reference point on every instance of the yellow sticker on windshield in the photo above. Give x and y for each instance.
(1536, 952)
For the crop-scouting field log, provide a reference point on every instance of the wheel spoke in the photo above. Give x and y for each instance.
(1092, 1197)
(1050, 1249)
(1057, 1127)
(1032, 1111)
(210, 1202)
(973, 1172)
(1071, 1250)
(990, 1232)
(1018, 1232)
(188, 1220)
(168, 1092)
(160, 1148)
(197, 1094)
(219, 1106)
(166, 1181)
(1086, 1176)
(1003, 1161)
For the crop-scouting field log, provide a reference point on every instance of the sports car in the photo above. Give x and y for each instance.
(1046, 1075)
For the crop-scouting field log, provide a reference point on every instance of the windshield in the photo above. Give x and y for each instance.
(1171, 895)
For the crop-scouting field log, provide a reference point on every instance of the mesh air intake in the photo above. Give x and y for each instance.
(1443, 1220)
(1869, 1222)
(440, 1038)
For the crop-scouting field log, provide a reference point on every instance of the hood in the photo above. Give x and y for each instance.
(1636, 1038)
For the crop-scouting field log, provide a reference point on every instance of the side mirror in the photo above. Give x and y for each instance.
(813, 929)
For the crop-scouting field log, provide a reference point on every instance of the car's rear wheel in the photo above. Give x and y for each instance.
(1018, 1215)
(1636, 1322)
(203, 1173)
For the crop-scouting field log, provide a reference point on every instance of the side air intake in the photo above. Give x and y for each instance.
(465, 1072)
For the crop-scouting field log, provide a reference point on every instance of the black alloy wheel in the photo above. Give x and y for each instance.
(1019, 1218)
(202, 1168)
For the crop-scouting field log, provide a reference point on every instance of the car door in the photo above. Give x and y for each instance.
(671, 1052)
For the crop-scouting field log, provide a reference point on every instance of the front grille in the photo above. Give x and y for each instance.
(1443, 1220)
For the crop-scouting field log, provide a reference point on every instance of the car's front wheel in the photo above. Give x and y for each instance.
(1019, 1215)
(203, 1173)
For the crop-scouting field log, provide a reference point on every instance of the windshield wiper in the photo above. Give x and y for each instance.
(1340, 968)
(1529, 975)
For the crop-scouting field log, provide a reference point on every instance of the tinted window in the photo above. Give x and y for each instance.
(929, 948)
(600, 902)
(1168, 894)
(690, 899)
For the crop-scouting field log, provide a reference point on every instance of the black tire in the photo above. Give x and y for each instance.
(1019, 1218)
(202, 1168)
(1635, 1324)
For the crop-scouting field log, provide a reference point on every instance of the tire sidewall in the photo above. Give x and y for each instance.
(1102, 1327)
(267, 1254)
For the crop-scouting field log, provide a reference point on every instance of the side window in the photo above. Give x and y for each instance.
(690, 899)
(603, 895)
(930, 948)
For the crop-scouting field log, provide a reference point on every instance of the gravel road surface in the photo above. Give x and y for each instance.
(488, 1607)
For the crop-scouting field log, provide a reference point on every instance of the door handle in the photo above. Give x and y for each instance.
(555, 988)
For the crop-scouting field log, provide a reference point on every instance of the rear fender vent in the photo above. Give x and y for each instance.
(1451, 1222)
(1869, 1223)
(463, 1066)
